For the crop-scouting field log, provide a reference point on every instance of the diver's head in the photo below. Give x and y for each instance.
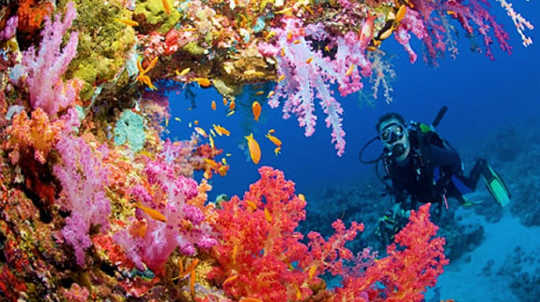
(393, 133)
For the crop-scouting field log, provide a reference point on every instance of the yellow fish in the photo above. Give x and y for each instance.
(128, 22)
(254, 148)
(230, 113)
(154, 214)
(177, 119)
(220, 130)
(183, 72)
(201, 131)
(350, 70)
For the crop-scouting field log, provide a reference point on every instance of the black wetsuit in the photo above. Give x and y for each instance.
(431, 172)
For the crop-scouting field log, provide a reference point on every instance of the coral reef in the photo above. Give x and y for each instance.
(96, 206)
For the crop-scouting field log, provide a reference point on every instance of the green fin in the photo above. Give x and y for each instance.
(496, 187)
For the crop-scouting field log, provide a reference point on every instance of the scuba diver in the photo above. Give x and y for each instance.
(423, 167)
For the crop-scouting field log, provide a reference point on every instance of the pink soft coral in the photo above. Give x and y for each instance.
(168, 193)
(83, 178)
(45, 69)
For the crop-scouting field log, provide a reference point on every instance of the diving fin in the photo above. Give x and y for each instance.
(496, 186)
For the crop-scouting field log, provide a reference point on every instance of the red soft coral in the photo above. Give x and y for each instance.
(407, 270)
(260, 255)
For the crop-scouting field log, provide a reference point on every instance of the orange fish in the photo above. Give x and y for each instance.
(221, 130)
(276, 141)
(230, 279)
(166, 6)
(213, 105)
(309, 60)
(232, 105)
(154, 214)
(401, 13)
(254, 148)
(203, 82)
(225, 102)
(256, 109)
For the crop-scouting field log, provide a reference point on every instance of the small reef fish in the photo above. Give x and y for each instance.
(254, 148)
(230, 113)
(203, 82)
(213, 105)
(220, 130)
(128, 22)
(232, 105)
(401, 13)
(256, 110)
(350, 70)
(154, 214)
(166, 6)
(276, 141)
(183, 72)
(201, 131)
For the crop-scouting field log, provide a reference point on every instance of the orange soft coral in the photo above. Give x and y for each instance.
(37, 133)
(31, 14)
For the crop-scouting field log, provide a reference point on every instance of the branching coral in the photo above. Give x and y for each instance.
(164, 219)
(45, 68)
(83, 179)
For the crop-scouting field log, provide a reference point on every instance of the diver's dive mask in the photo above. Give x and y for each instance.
(392, 137)
(392, 133)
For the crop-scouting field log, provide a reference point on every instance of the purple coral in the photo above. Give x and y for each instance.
(46, 68)
(161, 238)
(309, 74)
(11, 28)
(83, 179)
